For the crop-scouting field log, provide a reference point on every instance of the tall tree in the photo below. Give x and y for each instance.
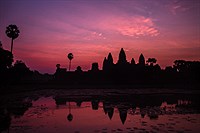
(6, 58)
(70, 57)
(181, 65)
(1, 45)
(151, 61)
(12, 32)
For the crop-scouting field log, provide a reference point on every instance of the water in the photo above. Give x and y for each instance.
(101, 111)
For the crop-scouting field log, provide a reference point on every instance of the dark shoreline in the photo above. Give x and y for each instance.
(34, 86)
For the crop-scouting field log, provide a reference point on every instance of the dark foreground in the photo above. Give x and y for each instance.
(100, 110)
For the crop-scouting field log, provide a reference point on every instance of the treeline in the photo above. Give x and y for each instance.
(145, 73)
(18, 72)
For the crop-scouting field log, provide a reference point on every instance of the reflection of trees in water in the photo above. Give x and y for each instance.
(13, 107)
(148, 105)
(78, 103)
(19, 109)
(69, 116)
(5, 120)
(62, 101)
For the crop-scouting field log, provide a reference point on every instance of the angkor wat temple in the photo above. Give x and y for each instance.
(144, 73)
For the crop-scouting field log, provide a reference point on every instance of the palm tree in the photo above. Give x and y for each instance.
(151, 61)
(12, 32)
(70, 57)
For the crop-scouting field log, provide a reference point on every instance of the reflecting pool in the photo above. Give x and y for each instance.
(100, 111)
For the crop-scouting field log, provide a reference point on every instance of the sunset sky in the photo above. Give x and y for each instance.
(90, 29)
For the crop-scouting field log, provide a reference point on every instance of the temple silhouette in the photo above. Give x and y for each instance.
(145, 73)
(123, 73)
(123, 69)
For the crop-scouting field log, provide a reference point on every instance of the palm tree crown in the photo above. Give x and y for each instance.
(70, 57)
(12, 32)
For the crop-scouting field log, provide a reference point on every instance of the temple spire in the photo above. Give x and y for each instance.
(141, 60)
(122, 57)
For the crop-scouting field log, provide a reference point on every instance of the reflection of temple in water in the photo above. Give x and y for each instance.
(95, 104)
(127, 104)
(122, 114)
(108, 109)
(123, 105)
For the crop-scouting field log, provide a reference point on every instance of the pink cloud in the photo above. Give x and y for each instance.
(177, 7)
(95, 36)
(135, 26)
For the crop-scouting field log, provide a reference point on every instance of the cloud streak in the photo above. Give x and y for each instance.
(136, 27)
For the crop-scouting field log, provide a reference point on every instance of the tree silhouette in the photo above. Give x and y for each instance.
(6, 59)
(78, 69)
(1, 45)
(12, 32)
(5, 121)
(186, 66)
(151, 61)
(58, 66)
(70, 57)
(20, 68)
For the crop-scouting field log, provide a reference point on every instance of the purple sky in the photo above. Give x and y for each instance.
(50, 29)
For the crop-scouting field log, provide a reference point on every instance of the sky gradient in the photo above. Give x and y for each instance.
(90, 29)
